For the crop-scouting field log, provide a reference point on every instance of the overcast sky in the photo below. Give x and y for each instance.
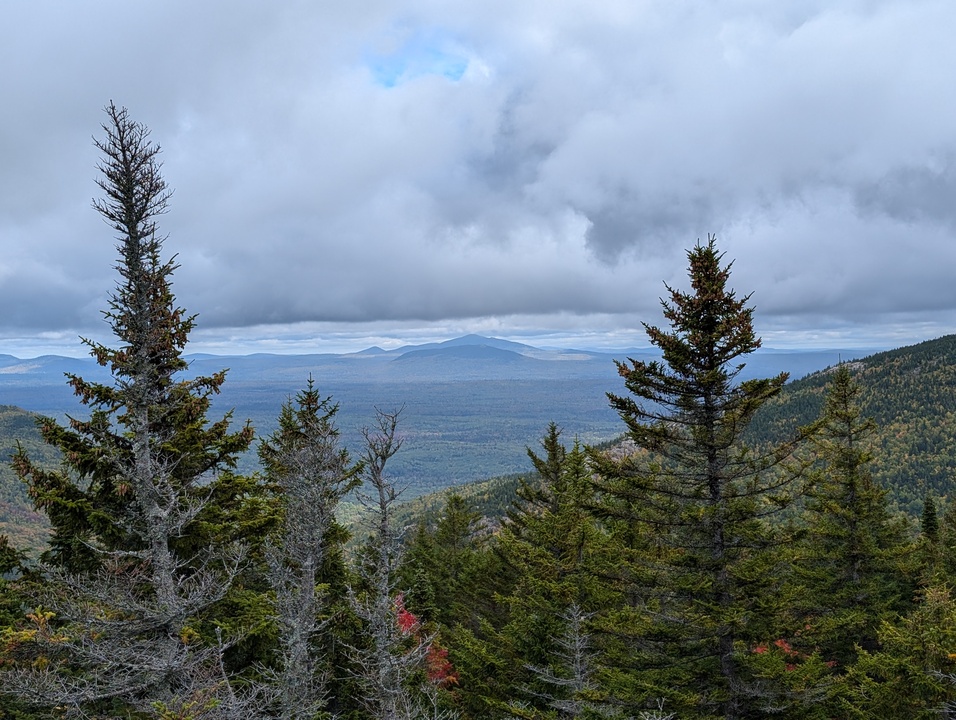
(359, 173)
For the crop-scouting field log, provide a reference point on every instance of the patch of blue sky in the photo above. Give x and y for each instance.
(422, 53)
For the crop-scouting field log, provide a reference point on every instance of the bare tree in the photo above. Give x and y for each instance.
(573, 691)
(390, 661)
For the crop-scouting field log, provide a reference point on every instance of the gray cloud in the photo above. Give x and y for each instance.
(466, 165)
(914, 194)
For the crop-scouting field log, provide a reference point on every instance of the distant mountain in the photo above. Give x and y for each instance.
(480, 353)
(909, 392)
(374, 350)
(465, 341)
(490, 342)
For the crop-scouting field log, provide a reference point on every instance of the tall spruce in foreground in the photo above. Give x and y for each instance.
(127, 579)
(691, 498)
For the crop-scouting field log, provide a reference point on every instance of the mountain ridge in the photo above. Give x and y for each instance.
(468, 427)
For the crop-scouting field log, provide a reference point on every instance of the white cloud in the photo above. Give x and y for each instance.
(465, 165)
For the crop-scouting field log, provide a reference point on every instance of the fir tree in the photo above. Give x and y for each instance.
(444, 565)
(688, 502)
(558, 554)
(311, 474)
(929, 522)
(127, 581)
(850, 564)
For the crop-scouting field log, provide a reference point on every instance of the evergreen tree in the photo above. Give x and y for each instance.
(558, 555)
(444, 565)
(310, 474)
(127, 581)
(947, 543)
(533, 653)
(688, 502)
(909, 673)
(929, 522)
(846, 577)
(850, 564)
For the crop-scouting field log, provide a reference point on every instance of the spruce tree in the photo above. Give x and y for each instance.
(929, 522)
(131, 567)
(558, 554)
(310, 474)
(443, 565)
(688, 502)
(850, 564)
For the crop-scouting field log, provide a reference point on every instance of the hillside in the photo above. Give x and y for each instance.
(911, 395)
(909, 392)
(25, 527)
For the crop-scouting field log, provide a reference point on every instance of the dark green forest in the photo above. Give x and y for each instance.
(910, 394)
(737, 555)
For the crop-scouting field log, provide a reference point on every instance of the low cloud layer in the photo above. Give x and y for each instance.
(530, 169)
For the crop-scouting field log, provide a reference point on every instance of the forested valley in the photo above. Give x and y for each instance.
(727, 559)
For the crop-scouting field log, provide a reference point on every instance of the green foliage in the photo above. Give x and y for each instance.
(558, 555)
(909, 676)
(929, 521)
(910, 394)
(135, 537)
(850, 559)
(688, 503)
(445, 563)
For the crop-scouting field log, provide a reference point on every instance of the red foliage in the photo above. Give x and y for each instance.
(407, 621)
(440, 670)
(787, 649)
(437, 665)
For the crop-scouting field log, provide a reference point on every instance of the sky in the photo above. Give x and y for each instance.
(382, 173)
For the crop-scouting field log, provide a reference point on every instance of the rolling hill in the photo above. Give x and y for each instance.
(910, 393)
(472, 405)
(24, 526)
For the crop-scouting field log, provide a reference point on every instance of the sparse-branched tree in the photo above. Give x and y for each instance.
(126, 581)
(390, 658)
(568, 686)
(310, 473)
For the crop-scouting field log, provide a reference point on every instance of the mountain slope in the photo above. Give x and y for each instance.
(911, 395)
(25, 527)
